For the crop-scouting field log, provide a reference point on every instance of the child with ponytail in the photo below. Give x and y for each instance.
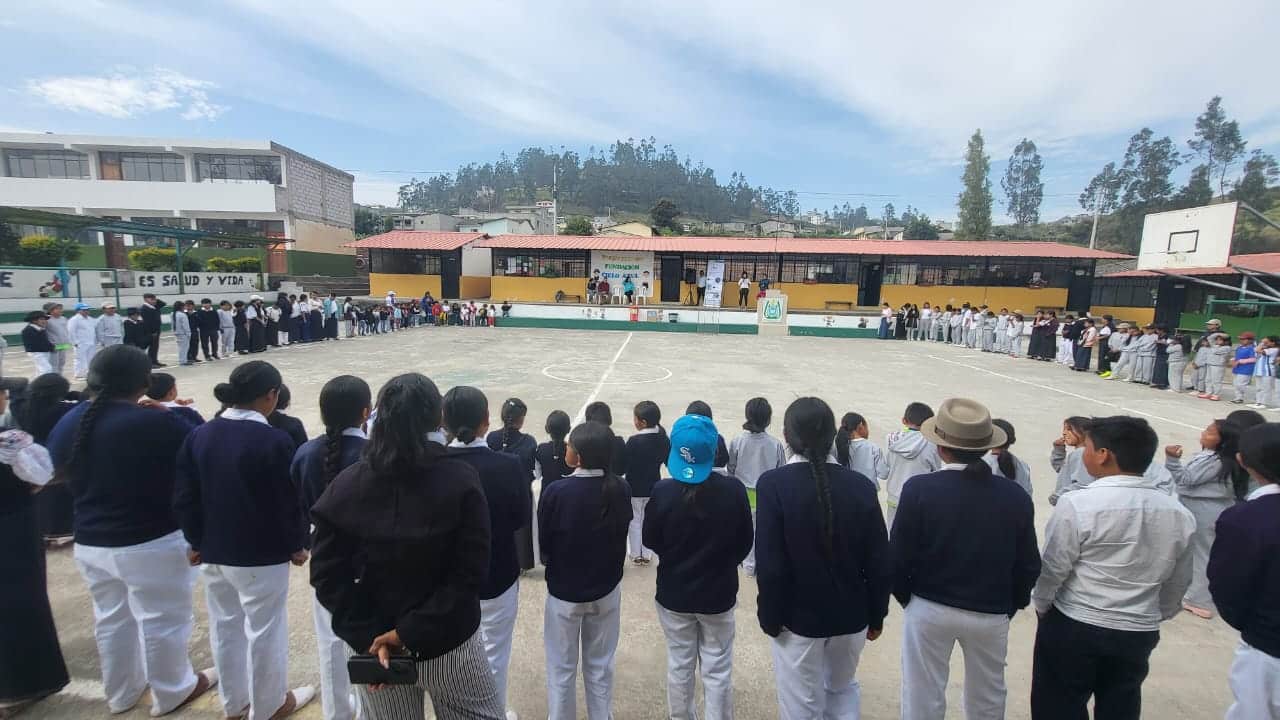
(466, 417)
(344, 407)
(822, 566)
(582, 532)
(752, 454)
(1002, 461)
(128, 544)
(965, 560)
(1204, 486)
(512, 441)
(551, 465)
(855, 452)
(243, 519)
(647, 450)
(1066, 458)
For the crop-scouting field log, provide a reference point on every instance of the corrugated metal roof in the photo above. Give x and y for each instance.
(417, 240)
(834, 246)
(1261, 262)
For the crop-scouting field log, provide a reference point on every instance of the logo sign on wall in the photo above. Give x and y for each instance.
(20, 283)
(715, 284)
(617, 265)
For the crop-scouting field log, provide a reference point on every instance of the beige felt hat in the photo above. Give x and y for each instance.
(963, 424)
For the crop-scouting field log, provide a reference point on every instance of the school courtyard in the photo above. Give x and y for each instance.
(565, 369)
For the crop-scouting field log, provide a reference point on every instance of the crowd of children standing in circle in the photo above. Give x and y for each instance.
(1154, 354)
(429, 570)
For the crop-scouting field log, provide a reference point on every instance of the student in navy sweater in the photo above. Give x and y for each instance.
(36, 343)
(551, 465)
(466, 416)
(700, 525)
(822, 566)
(582, 529)
(1244, 577)
(344, 407)
(242, 517)
(512, 441)
(600, 412)
(965, 560)
(401, 547)
(288, 423)
(118, 458)
(698, 407)
(164, 390)
(646, 451)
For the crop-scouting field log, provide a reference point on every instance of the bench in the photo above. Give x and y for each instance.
(562, 296)
(833, 304)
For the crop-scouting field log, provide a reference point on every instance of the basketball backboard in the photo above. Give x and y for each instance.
(1191, 238)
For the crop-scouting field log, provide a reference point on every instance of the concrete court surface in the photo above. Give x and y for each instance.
(564, 369)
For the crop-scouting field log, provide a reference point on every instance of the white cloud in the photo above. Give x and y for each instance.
(378, 188)
(128, 93)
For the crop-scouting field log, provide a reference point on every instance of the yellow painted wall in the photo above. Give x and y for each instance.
(474, 287)
(1141, 315)
(529, 289)
(802, 296)
(406, 286)
(1014, 298)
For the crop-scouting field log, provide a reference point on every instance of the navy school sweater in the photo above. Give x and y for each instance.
(552, 464)
(291, 425)
(701, 542)
(123, 484)
(307, 468)
(1244, 571)
(965, 543)
(582, 550)
(507, 496)
(645, 455)
(36, 339)
(235, 499)
(523, 446)
(800, 588)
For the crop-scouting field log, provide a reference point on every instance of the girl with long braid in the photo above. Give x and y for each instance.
(345, 403)
(118, 457)
(512, 441)
(551, 465)
(822, 567)
(244, 521)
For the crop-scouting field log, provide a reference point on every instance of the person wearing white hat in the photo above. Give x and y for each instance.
(81, 328)
(965, 560)
(110, 328)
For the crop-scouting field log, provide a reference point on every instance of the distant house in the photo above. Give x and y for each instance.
(731, 227)
(504, 225)
(433, 222)
(816, 219)
(634, 229)
(776, 228)
(877, 232)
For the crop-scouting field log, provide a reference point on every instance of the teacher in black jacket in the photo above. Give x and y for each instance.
(400, 549)
(151, 327)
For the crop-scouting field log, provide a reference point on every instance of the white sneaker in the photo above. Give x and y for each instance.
(511, 715)
(1259, 406)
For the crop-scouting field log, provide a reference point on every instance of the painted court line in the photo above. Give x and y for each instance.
(1068, 393)
(608, 369)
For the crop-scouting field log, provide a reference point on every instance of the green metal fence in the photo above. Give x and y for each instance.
(1259, 317)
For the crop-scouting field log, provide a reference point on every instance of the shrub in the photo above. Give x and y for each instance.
(43, 250)
(218, 264)
(154, 259)
(246, 265)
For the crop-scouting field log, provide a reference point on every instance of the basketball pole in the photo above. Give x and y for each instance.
(1210, 283)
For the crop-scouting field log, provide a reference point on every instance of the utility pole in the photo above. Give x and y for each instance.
(555, 201)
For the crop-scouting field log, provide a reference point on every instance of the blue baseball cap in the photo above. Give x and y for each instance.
(693, 449)
(83, 306)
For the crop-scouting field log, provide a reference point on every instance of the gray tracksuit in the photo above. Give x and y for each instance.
(909, 454)
(1206, 492)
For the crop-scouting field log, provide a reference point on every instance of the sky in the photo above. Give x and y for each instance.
(839, 100)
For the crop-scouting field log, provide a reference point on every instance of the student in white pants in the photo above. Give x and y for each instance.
(700, 525)
(128, 548)
(336, 697)
(646, 451)
(582, 531)
(961, 522)
(243, 518)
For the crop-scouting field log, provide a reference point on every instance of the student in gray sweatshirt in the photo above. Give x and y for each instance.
(752, 454)
(909, 454)
(1068, 461)
(59, 335)
(1204, 487)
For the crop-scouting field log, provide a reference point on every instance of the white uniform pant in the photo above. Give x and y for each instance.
(1255, 682)
(142, 620)
(594, 626)
(228, 341)
(1266, 391)
(249, 632)
(635, 531)
(1177, 376)
(1240, 386)
(1015, 346)
(58, 360)
(957, 335)
(335, 684)
(971, 337)
(750, 563)
(930, 632)
(84, 356)
(816, 676)
(1066, 352)
(43, 362)
(497, 624)
(691, 638)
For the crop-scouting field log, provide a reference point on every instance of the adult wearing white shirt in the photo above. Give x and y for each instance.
(926, 322)
(744, 289)
(81, 328)
(1116, 563)
(391, 298)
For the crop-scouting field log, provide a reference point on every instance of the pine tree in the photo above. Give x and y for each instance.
(975, 199)
(1021, 183)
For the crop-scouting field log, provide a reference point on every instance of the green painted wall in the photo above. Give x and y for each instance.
(303, 262)
(91, 256)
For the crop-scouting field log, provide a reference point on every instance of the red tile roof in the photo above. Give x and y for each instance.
(1261, 262)
(834, 246)
(417, 240)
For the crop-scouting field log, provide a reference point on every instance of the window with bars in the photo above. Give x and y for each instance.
(541, 263)
(238, 168)
(157, 240)
(261, 228)
(46, 164)
(1124, 292)
(405, 262)
(145, 167)
(997, 272)
(832, 269)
